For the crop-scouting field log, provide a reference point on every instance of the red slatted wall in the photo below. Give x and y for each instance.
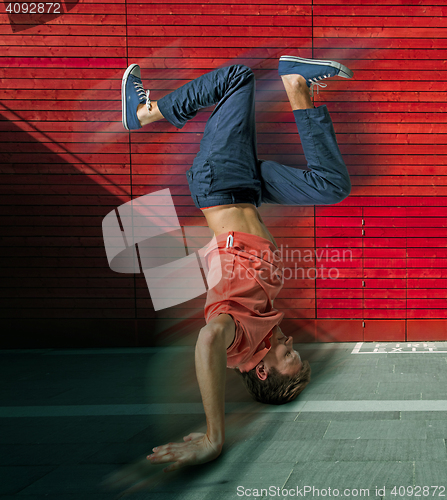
(66, 162)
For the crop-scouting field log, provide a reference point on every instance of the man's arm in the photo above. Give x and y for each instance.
(211, 362)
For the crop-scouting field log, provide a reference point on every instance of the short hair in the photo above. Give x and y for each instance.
(276, 389)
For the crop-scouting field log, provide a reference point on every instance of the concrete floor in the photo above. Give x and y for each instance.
(374, 416)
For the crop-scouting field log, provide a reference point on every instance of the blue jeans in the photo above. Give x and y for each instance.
(227, 169)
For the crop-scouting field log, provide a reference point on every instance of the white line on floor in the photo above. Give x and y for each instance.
(399, 348)
(197, 408)
(357, 348)
(401, 352)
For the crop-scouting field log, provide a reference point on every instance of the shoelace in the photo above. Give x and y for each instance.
(316, 82)
(318, 85)
(143, 95)
(148, 101)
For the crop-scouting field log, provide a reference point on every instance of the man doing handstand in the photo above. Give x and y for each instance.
(228, 182)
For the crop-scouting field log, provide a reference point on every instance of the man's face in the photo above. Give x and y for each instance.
(282, 356)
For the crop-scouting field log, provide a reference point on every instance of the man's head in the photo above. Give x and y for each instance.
(281, 375)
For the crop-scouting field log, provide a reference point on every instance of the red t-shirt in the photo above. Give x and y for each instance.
(251, 269)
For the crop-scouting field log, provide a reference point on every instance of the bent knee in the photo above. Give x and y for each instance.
(342, 191)
(242, 69)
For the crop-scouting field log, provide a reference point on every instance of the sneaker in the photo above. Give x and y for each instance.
(132, 94)
(313, 70)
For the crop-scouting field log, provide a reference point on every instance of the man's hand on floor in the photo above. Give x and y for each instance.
(140, 475)
(196, 449)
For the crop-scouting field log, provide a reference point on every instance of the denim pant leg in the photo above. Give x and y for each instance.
(328, 180)
(225, 170)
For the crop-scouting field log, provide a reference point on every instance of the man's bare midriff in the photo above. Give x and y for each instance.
(242, 217)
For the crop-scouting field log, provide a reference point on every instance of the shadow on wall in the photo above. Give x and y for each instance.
(57, 287)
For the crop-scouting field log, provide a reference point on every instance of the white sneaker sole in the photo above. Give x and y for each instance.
(343, 70)
(123, 94)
